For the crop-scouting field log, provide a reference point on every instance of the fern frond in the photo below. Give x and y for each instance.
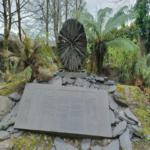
(122, 44)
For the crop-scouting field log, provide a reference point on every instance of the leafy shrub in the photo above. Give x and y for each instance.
(125, 59)
(142, 70)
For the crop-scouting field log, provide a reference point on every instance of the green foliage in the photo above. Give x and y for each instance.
(97, 30)
(143, 70)
(32, 59)
(127, 32)
(125, 59)
(142, 8)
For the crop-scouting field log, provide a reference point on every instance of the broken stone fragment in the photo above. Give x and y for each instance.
(125, 141)
(114, 145)
(130, 115)
(119, 129)
(138, 131)
(5, 106)
(123, 117)
(112, 117)
(6, 145)
(97, 147)
(15, 96)
(85, 144)
(4, 135)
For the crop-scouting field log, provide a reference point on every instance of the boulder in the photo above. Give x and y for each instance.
(6, 145)
(5, 106)
(127, 95)
(113, 71)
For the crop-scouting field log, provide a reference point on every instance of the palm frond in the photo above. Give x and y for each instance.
(122, 44)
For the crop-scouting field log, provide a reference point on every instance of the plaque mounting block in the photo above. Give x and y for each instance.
(72, 111)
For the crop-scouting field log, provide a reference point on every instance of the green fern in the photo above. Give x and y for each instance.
(98, 27)
(143, 70)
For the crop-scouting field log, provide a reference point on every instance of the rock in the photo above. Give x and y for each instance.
(125, 141)
(104, 142)
(93, 81)
(85, 144)
(6, 118)
(99, 79)
(122, 117)
(139, 132)
(62, 145)
(6, 145)
(103, 87)
(57, 80)
(11, 129)
(96, 86)
(35, 81)
(97, 147)
(109, 82)
(7, 124)
(5, 106)
(112, 88)
(17, 134)
(130, 116)
(4, 135)
(68, 80)
(135, 139)
(113, 105)
(112, 117)
(105, 78)
(79, 82)
(139, 124)
(148, 137)
(117, 120)
(110, 98)
(112, 71)
(119, 129)
(121, 102)
(15, 96)
(128, 94)
(14, 111)
(114, 145)
(86, 84)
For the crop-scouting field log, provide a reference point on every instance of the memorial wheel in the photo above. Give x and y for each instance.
(72, 45)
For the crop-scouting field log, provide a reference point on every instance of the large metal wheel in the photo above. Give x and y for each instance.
(72, 45)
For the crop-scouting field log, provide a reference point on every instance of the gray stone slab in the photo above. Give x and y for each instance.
(73, 111)
(4, 135)
(72, 74)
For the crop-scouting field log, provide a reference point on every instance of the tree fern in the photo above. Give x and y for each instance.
(97, 29)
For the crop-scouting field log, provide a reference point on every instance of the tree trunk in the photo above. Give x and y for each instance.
(141, 45)
(19, 18)
(6, 35)
(47, 21)
(66, 9)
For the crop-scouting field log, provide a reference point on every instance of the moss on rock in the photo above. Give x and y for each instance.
(129, 93)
